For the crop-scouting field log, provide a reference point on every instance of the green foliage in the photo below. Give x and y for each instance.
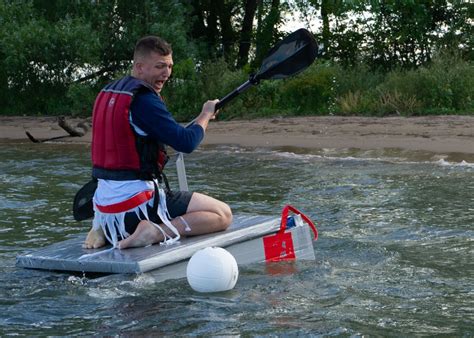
(390, 34)
(358, 77)
(53, 52)
(80, 99)
(36, 64)
(354, 103)
(447, 85)
(312, 91)
(382, 58)
(182, 93)
(396, 103)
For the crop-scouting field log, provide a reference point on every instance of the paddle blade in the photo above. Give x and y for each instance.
(82, 207)
(290, 56)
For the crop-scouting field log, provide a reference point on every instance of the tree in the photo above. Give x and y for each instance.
(246, 32)
(226, 28)
(213, 25)
(406, 33)
(269, 22)
(336, 41)
(57, 54)
(387, 34)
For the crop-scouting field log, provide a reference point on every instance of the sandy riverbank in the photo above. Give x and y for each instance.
(435, 134)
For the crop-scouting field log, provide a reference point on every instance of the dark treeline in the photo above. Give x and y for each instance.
(379, 57)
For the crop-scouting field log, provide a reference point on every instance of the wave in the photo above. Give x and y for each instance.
(365, 157)
(329, 154)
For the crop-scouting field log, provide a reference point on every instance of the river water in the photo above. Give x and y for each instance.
(394, 257)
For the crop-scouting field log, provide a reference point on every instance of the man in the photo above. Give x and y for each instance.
(131, 126)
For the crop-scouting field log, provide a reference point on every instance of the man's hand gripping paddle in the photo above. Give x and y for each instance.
(290, 56)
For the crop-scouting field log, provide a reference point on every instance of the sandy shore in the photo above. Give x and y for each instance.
(434, 134)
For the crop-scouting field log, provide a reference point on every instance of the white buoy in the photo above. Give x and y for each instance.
(212, 270)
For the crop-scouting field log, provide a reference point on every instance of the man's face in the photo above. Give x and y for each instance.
(155, 69)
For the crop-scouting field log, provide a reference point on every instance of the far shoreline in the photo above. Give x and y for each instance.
(449, 135)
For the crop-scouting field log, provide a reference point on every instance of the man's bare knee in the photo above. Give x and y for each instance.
(226, 216)
(214, 207)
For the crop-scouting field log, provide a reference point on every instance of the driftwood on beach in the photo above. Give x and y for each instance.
(79, 130)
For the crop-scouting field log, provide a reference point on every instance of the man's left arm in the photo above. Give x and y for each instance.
(149, 113)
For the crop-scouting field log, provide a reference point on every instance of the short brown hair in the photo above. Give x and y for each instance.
(152, 43)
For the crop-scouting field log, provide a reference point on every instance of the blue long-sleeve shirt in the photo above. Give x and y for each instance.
(150, 114)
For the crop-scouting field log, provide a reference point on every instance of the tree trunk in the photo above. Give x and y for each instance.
(212, 31)
(246, 32)
(198, 28)
(224, 13)
(326, 32)
(204, 25)
(266, 29)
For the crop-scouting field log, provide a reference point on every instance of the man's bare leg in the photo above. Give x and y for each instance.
(95, 239)
(204, 215)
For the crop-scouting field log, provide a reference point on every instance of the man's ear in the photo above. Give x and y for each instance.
(138, 67)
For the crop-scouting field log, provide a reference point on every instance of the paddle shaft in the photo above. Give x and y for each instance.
(226, 99)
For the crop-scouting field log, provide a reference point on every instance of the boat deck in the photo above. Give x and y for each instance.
(68, 255)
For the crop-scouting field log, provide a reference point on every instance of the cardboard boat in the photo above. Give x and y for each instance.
(249, 239)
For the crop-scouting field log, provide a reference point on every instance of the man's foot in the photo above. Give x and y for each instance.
(145, 234)
(95, 239)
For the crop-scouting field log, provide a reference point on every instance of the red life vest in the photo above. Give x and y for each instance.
(118, 152)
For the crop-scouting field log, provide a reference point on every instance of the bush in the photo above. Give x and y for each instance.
(355, 103)
(183, 93)
(81, 99)
(354, 90)
(191, 86)
(311, 92)
(396, 103)
(358, 78)
(448, 83)
(446, 86)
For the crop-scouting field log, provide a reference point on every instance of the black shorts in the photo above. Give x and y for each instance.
(176, 202)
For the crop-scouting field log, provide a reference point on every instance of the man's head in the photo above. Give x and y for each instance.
(152, 61)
